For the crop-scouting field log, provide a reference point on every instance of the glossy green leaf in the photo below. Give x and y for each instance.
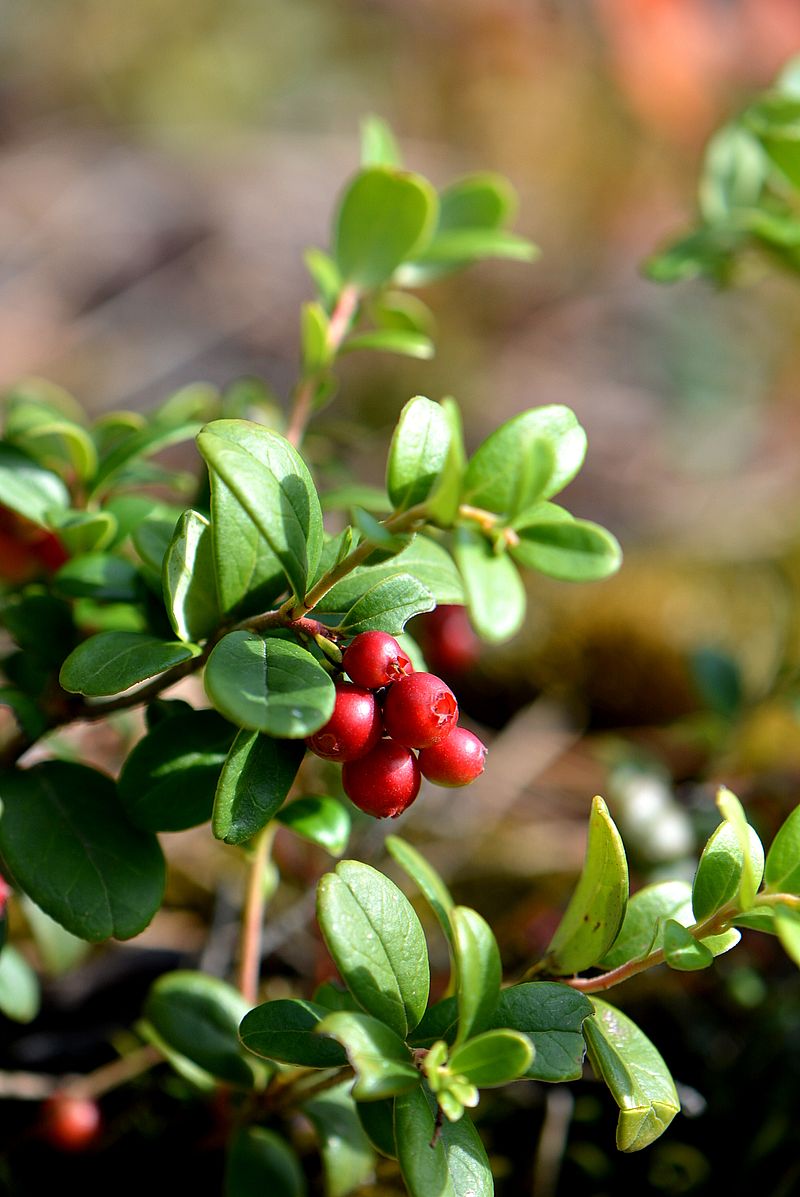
(635, 1073)
(250, 579)
(430, 883)
(190, 584)
(682, 951)
(260, 1162)
(551, 1016)
(491, 475)
(380, 1059)
(378, 145)
(168, 781)
(101, 577)
(333, 996)
(285, 1029)
(787, 928)
(426, 560)
(493, 1058)
(392, 340)
(20, 995)
(377, 1121)
(388, 605)
(348, 1160)
(597, 907)
(27, 488)
(377, 942)
(269, 685)
(455, 1166)
(782, 870)
(760, 918)
(648, 909)
(271, 482)
(494, 590)
(70, 846)
(418, 452)
(199, 1016)
(719, 873)
(383, 218)
(442, 503)
(86, 531)
(320, 819)
(574, 551)
(111, 662)
(752, 856)
(257, 775)
(479, 971)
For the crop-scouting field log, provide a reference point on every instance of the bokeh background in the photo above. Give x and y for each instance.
(162, 168)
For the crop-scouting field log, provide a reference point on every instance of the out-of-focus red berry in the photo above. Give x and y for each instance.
(384, 782)
(455, 761)
(420, 710)
(448, 640)
(71, 1123)
(375, 659)
(354, 727)
(26, 550)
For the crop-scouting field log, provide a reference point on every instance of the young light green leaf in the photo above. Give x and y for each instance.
(316, 351)
(20, 994)
(198, 1016)
(572, 551)
(168, 781)
(388, 605)
(597, 907)
(392, 340)
(260, 1161)
(493, 1058)
(479, 971)
(430, 883)
(464, 246)
(377, 943)
(325, 275)
(483, 200)
(452, 1164)
(102, 577)
(189, 579)
(787, 928)
(70, 846)
(682, 951)
(257, 775)
(370, 498)
(378, 145)
(58, 444)
(269, 685)
(719, 873)
(383, 218)
(285, 1029)
(648, 909)
(270, 480)
(551, 1017)
(418, 452)
(752, 859)
(399, 310)
(320, 819)
(760, 918)
(380, 1059)
(782, 870)
(27, 488)
(111, 662)
(494, 590)
(348, 1160)
(426, 560)
(635, 1073)
(442, 503)
(195, 401)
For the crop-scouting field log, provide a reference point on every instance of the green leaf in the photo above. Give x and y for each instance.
(55, 442)
(285, 1030)
(41, 625)
(635, 1073)
(86, 531)
(380, 1059)
(463, 246)
(787, 927)
(752, 852)
(150, 439)
(392, 340)
(574, 551)
(251, 578)
(483, 200)
(20, 995)
(493, 1058)
(320, 819)
(430, 883)
(348, 1160)
(384, 217)
(682, 951)
(551, 1016)
(190, 586)
(196, 401)
(718, 678)
(27, 488)
(418, 452)
(271, 482)
(782, 870)
(494, 590)
(479, 971)
(719, 873)
(734, 173)
(325, 275)
(261, 1163)
(427, 561)
(388, 605)
(642, 930)
(370, 498)
(198, 1016)
(443, 501)
(316, 350)
(378, 145)
(111, 662)
(399, 310)
(377, 1121)
(760, 918)
(269, 685)
(491, 474)
(597, 907)
(708, 252)
(377, 942)
(70, 846)
(257, 775)
(101, 577)
(168, 781)
(456, 1165)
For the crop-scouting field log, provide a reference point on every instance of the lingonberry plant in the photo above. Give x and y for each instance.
(293, 628)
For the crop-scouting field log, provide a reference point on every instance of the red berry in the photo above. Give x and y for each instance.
(354, 727)
(375, 659)
(448, 641)
(420, 710)
(454, 761)
(384, 782)
(70, 1123)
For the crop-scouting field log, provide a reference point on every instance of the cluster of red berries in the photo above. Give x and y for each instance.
(380, 716)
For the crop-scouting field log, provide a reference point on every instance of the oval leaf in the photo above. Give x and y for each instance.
(453, 1166)
(388, 605)
(752, 851)
(284, 1030)
(479, 970)
(551, 1016)
(682, 951)
(27, 488)
(494, 590)
(418, 452)
(257, 775)
(782, 870)
(573, 551)
(493, 1058)
(384, 216)
(491, 474)
(320, 819)
(425, 560)
(190, 586)
(719, 873)
(380, 1059)
(111, 662)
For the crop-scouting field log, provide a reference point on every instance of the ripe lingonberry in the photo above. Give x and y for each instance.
(354, 727)
(375, 659)
(454, 761)
(70, 1123)
(420, 710)
(447, 639)
(384, 782)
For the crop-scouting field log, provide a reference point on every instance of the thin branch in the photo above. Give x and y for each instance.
(253, 916)
(306, 390)
(37, 1086)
